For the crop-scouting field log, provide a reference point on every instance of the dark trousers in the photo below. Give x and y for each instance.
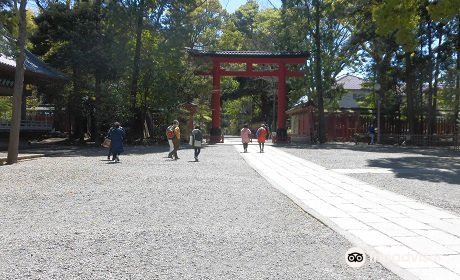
(197, 152)
(245, 146)
(261, 146)
(173, 153)
(115, 155)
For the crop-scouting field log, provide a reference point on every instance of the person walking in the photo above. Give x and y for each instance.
(175, 140)
(371, 134)
(197, 138)
(261, 136)
(107, 137)
(170, 136)
(245, 137)
(116, 135)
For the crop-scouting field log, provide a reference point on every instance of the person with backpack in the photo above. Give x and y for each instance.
(267, 128)
(170, 136)
(175, 140)
(261, 136)
(116, 135)
(197, 139)
(245, 136)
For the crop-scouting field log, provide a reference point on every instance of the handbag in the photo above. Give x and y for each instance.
(191, 140)
(107, 142)
(197, 144)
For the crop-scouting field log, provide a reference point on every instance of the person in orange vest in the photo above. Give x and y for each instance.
(267, 128)
(170, 136)
(175, 140)
(261, 136)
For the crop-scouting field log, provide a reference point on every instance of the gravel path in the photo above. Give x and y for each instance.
(428, 175)
(77, 217)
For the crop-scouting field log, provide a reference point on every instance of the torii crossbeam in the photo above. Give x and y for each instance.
(280, 60)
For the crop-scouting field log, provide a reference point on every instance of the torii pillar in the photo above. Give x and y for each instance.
(216, 132)
(281, 132)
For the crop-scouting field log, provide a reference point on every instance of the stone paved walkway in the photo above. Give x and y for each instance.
(413, 239)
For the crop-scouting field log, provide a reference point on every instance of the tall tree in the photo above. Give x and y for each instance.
(318, 72)
(404, 20)
(13, 145)
(137, 54)
(318, 26)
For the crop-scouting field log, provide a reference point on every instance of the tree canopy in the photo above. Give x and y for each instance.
(127, 60)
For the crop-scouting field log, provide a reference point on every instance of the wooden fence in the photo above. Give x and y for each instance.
(347, 126)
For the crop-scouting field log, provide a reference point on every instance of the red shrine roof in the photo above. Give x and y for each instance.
(260, 54)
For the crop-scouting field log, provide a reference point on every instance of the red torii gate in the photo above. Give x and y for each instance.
(249, 58)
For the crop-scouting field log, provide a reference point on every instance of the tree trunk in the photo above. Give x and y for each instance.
(457, 83)
(136, 123)
(430, 118)
(318, 75)
(410, 93)
(436, 80)
(75, 113)
(95, 133)
(96, 127)
(381, 65)
(13, 145)
(137, 55)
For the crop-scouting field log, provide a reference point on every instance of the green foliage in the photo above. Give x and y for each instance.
(338, 50)
(5, 107)
(95, 47)
(239, 112)
(444, 10)
(232, 38)
(400, 18)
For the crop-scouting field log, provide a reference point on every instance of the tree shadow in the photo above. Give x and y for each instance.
(430, 151)
(431, 169)
(103, 152)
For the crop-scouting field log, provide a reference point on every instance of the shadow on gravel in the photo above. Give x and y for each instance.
(432, 169)
(437, 152)
(129, 150)
(102, 152)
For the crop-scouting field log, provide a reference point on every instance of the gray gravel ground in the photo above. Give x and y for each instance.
(428, 175)
(77, 216)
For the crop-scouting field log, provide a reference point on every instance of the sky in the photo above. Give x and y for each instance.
(232, 5)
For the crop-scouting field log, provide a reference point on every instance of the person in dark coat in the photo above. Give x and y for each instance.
(371, 134)
(117, 135)
(197, 141)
